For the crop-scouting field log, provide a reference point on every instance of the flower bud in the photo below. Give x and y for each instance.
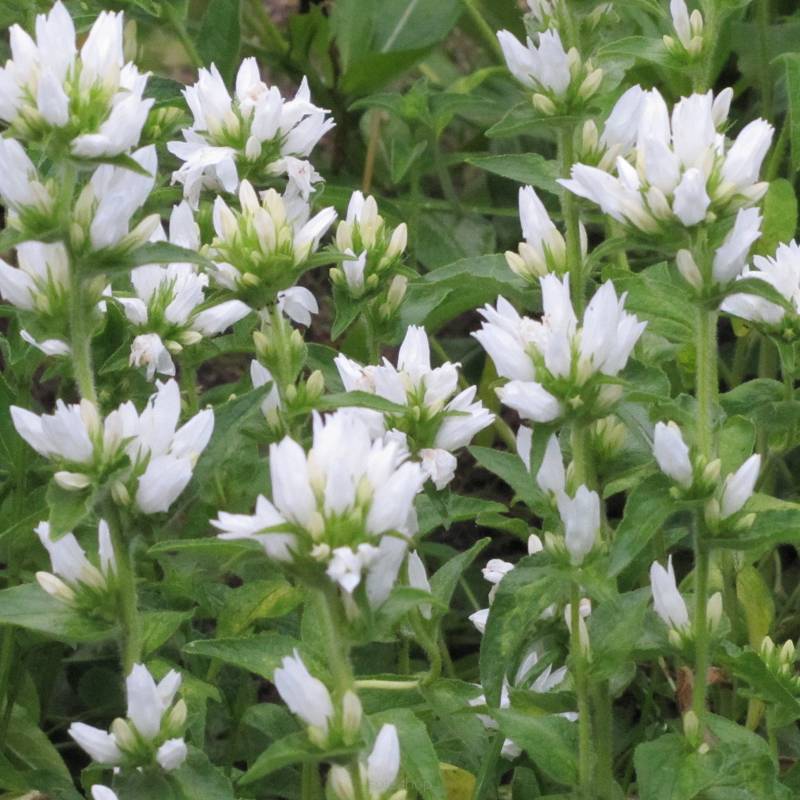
(120, 494)
(688, 268)
(544, 105)
(177, 718)
(714, 611)
(72, 481)
(126, 738)
(315, 385)
(340, 784)
(590, 84)
(351, 715)
(589, 136)
(55, 587)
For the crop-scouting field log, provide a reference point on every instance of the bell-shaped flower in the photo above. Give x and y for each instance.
(558, 77)
(680, 171)
(672, 454)
(438, 418)
(348, 490)
(739, 486)
(298, 304)
(581, 517)
(74, 579)
(667, 600)
(418, 579)
(782, 272)
(90, 100)
(306, 696)
(376, 776)
(688, 28)
(552, 476)
(374, 249)
(544, 249)
(29, 198)
(730, 257)
(107, 204)
(551, 364)
(151, 732)
(263, 248)
(255, 132)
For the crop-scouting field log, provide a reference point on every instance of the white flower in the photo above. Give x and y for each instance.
(113, 196)
(739, 486)
(306, 696)
(667, 600)
(50, 347)
(20, 187)
(551, 476)
(544, 249)
(65, 434)
(546, 68)
(436, 422)
(479, 619)
(103, 793)
(730, 257)
(147, 350)
(782, 272)
(524, 441)
(345, 483)
(278, 134)
(298, 303)
(148, 701)
(581, 517)
(260, 376)
(674, 168)
(93, 97)
(689, 29)
(41, 281)
(71, 566)
(672, 454)
(602, 345)
(171, 754)
(99, 744)
(383, 763)
(418, 578)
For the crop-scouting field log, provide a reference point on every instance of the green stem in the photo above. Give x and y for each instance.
(336, 639)
(488, 35)
(701, 562)
(387, 686)
(6, 661)
(485, 783)
(188, 384)
(763, 15)
(127, 600)
(179, 29)
(705, 77)
(604, 738)
(310, 786)
(569, 210)
(80, 331)
(707, 381)
(580, 676)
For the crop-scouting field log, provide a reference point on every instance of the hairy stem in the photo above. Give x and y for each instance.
(80, 333)
(701, 563)
(484, 785)
(336, 641)
(582, 693)
(127, 599)
(569, 210)
(604, 738)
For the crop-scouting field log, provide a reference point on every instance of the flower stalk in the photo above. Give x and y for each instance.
(579, 667)
(569, 210)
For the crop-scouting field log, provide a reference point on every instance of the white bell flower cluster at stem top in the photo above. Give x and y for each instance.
(254, 134)
(89, 102)
(86, 449)
(373, 249)
(169, 309)
(437, 421)
(782, 272)
(74, 579)
(675, 460)
(345, 508)
(150, 734)
(559, 78)
(329, 724)
(680, 169)
(262, 249)
(553, 366)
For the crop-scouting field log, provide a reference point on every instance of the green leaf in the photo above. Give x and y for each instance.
(159, 626)
(67, 509)
(443, 238)
(527, 168)
(352, 23)
(260, 654)
(29, 606)
(216, 548)
(410, 24)
(756, 600)
(509, 468)
(329, 402)
(615, 628)
(792, 65)
(254, 601)
(165, 91)
(523, 119)
(637, 48)
(445, 579)
(647, 508)
(780, 217)
(736, 442)
(417, 755)
(219, 36)
(29, 744)
(747, 397)
(550, 741)
(198, 777)
(374, 70)
(522, 596)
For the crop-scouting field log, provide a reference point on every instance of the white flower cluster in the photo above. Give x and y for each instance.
(680, 168)
(152, 732)
(553, 366)
(90, 102)
(254, 134)
(437, 421)
(87, 449)
(346, 507)
(75, 580)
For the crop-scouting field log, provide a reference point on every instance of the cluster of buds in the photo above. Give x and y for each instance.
(74, 579)
(151, 733)
(88, 104)
(437, 420)
(263, 248)
(281, 401)
(671, 607)
(338, 511)
(141, 456)
(696, 478)
(373, 779)
(254, 134)
(328, 725)
(781, 661)
(561, 82)
(679, 169)
(544, 249)
(553, 366)
(689, 30)
(372, 250)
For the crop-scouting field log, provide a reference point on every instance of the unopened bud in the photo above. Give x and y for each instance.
(589, 136)
(126, 738)
(688, 268)
(691, 725)
(712, 511)
(261, 343)
(72, 481)
(544, 105)
(120, 494)
(714, 611)
(591, 83)
(55, 587)
(340, 784)
(351, 715)
(177, 718)
(712, 471)
(315, 385)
